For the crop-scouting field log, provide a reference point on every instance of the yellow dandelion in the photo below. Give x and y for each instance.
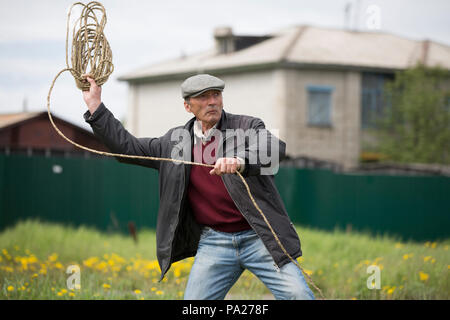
(391, 290)
(423, 276)
(71, 294)
(106, 286)
(180, 293)
(90, 262)
(433, 245)
(60, 294)
(101, 266)
(425, 259)
(34, 276)
(308, 272)
(137, 291)
(10, 288)
(159, 292)
(407, 256)
(8, 269)
(53, 257)
(153, 289)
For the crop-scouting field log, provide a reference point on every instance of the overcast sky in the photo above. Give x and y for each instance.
(143, 32)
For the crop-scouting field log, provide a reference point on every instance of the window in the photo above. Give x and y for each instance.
(319, 105)
(373, 98)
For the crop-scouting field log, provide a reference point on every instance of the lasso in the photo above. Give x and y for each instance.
(91, 54)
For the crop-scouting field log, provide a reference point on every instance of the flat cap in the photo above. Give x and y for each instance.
(196, 85)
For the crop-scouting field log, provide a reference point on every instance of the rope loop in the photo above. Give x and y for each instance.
(91, 53)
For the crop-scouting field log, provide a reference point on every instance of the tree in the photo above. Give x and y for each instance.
(415, 123)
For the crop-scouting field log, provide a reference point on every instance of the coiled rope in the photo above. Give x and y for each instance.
(91, 50)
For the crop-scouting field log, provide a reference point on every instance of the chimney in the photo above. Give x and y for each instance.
(224, 40)
(425, 50)
(25, 104)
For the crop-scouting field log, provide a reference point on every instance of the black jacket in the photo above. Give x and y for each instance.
(177, 233)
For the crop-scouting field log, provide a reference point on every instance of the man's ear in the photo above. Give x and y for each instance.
(187, 106)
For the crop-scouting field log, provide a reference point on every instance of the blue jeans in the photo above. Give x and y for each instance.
(222, 257)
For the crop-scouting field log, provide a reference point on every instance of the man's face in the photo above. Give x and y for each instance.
(207, 107)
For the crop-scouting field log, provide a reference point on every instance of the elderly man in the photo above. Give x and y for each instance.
(206, 212)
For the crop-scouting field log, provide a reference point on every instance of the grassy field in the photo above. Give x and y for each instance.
(34, 258)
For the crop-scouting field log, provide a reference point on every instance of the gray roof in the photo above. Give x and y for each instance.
(307, 46)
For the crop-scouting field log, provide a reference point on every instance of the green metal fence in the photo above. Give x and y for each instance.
(106, 194)
(98, 192)
(411, 207)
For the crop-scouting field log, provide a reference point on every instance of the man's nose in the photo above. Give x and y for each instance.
(212, 99)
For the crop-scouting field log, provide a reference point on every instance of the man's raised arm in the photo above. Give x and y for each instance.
(112, 133)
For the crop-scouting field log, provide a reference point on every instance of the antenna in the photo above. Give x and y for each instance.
(357, 9)
(347, 15)
(25, 104)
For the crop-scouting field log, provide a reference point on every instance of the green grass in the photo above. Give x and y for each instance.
(35, 255)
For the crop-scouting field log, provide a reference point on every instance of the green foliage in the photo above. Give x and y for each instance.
(415, 126)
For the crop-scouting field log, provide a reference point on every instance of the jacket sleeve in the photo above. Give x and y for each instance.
(112, 133)
(263, 150)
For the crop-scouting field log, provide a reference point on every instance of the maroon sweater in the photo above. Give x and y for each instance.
(210, 202)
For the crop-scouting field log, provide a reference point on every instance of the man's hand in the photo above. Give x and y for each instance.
(226, 165)
(93, 97)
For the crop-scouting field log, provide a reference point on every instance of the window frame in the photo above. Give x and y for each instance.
(322, 89)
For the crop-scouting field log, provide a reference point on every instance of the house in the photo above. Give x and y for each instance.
(317, 88)
(31, 133)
